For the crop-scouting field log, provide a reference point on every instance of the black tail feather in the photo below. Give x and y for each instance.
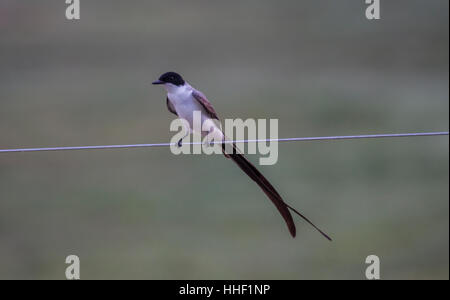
(269, 190)
(309, 222)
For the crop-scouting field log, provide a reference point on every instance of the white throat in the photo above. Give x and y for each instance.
(173, 89)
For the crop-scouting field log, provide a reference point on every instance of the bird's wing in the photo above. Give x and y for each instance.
(201, 98)
(170, 107)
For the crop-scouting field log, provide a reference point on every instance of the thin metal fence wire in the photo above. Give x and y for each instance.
(295, 139)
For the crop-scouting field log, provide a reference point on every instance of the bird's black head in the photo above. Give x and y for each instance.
(170, 77)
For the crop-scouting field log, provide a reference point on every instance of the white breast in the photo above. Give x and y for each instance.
(183, 101)
(185, 104)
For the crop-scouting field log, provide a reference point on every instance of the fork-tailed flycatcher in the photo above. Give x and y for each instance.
(182, 100)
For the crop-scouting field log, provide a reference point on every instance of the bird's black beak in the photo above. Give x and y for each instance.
(158, 82)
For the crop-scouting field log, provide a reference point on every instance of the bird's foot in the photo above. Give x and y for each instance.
(208, 143)
(180, 143)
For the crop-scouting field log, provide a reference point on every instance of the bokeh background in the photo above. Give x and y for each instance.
(319, 67)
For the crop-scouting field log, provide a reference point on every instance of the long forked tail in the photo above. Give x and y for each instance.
(269, 190)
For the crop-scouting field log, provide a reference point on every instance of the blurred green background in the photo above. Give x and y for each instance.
(319, 67)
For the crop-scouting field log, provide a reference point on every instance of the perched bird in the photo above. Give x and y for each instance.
(182, 100)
